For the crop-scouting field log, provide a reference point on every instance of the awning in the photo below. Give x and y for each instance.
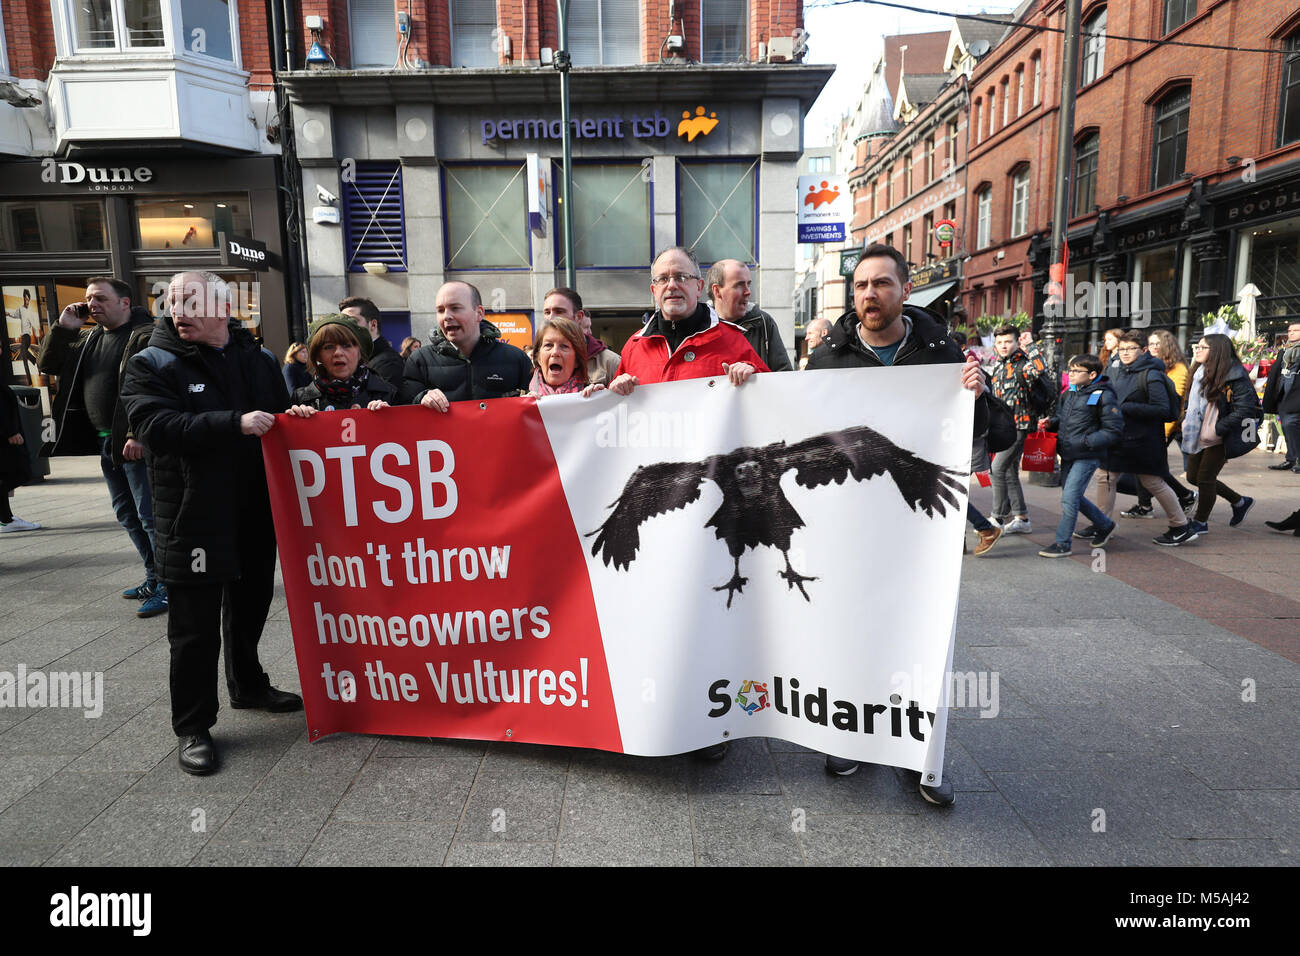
(930, 294)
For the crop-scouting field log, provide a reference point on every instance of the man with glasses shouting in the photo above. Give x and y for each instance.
(684, 338)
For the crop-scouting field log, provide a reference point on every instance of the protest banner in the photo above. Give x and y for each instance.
(647, 574)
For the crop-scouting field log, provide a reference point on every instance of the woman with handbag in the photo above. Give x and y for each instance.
(1220, 402)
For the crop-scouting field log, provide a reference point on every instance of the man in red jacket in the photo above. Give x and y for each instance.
(684, 338)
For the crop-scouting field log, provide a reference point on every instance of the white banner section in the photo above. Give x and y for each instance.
(780, 559)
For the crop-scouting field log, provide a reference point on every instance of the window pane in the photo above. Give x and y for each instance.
(984, 219)
(1156, 290)
(1094, 48)
(206, 25)
(724, 31)
(1291, 92)
(1171, 137)
(1085, 175)
(374, 34)
(472, 25)
(1178, 12)
(52, 226)
(190, 223)
(611, 216)
(717, 210)
(486, 217)
(94, 24)
(144, 23)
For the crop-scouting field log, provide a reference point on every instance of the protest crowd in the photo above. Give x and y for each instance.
(175, 408)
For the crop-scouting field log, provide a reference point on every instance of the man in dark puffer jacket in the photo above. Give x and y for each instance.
(199, 398)
(466, 358)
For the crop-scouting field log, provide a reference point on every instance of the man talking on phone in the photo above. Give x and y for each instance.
(89, 416)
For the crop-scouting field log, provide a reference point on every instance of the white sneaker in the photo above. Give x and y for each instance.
(20, 524)
(1018, 526)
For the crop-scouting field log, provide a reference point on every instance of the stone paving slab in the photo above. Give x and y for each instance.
(1152, 691)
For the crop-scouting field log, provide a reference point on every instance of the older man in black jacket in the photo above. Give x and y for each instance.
(199, 398)
(882, 331)
(466, 358)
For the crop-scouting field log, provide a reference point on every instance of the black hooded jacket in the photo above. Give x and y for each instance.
(495, 369)
(185, 402)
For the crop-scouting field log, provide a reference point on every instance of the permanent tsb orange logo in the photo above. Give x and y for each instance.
(697, 125)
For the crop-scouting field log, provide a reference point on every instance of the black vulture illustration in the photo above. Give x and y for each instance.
(754, 509)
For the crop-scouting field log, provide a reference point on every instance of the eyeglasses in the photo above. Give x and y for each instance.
(681, 278)
(1200, 348)
(1078, 371)
(1129, 348)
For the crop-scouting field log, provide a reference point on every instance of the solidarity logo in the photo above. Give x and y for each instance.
(817, 197)
(697, 125)
(752, 697)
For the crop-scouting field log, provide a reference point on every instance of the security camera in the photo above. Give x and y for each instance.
(325, 196)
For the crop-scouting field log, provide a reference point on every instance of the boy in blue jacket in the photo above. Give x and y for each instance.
(1087, 422)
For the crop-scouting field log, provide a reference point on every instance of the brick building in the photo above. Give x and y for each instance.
(1180, 196)
(434, 132)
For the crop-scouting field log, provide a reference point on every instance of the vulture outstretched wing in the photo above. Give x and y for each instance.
(652, 490)
(865, 453)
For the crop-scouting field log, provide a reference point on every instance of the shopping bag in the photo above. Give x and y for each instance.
(1040, 452)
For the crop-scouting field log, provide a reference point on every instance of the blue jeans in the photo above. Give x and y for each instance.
(977, 520)
(128, 488)
(1075, 476)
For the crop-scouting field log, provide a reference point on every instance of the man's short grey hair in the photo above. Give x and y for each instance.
(717, 276)
(818, 323)
(220, 289)
(695, 262)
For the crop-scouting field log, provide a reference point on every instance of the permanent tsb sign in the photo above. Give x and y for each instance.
(635, 125)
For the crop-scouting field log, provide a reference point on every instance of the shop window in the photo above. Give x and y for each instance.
(1178, 12)
(1093, 61)
(1156, 292)
(373, 225)
(1020, 202)
(1169, 157)
(1275, 267)
(604, 32)
(611, 217)
(473, 33)
(118, 24)
(190, 222)
(1085, 173)
(984, 217)
(54, 225)
(724, 31)
(1289, 120)
(487, 218)
(373, 34)
(716, 205)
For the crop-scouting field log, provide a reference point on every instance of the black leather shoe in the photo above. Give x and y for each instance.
(198, 755)
(1282, 466)
(275, 701)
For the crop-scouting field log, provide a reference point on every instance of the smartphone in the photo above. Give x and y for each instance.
(83, 311)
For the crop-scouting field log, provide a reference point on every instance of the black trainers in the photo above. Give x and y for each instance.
(1239, 511)
(1176, 536)
(1101, 537)
(1055, 550)
(941, 795)
(711, 753)
(1088, 532)
(1138, 511)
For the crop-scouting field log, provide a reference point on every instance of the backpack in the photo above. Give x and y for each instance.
(1001, 434)
(1171, 393)
(1040, 398)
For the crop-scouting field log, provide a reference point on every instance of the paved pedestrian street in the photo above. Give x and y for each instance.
(1133, 708)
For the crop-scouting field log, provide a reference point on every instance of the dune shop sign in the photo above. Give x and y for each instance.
(101, 179)
(245, 252)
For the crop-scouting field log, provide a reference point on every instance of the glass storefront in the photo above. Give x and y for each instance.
(52, 225)
(1270, 254)
(191, 222)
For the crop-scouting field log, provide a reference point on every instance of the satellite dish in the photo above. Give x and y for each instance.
(979, 48)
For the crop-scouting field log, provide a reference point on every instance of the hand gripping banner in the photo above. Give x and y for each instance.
(649, 574)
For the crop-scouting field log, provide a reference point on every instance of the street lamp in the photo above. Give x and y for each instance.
(562, 63)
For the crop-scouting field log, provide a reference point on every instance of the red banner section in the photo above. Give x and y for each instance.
(435, 580)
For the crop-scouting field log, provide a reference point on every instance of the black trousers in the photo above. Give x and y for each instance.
(205, 618)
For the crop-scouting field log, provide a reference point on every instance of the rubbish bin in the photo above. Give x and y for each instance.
(29, 416)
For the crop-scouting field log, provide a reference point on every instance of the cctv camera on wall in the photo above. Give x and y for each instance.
(325, 196)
